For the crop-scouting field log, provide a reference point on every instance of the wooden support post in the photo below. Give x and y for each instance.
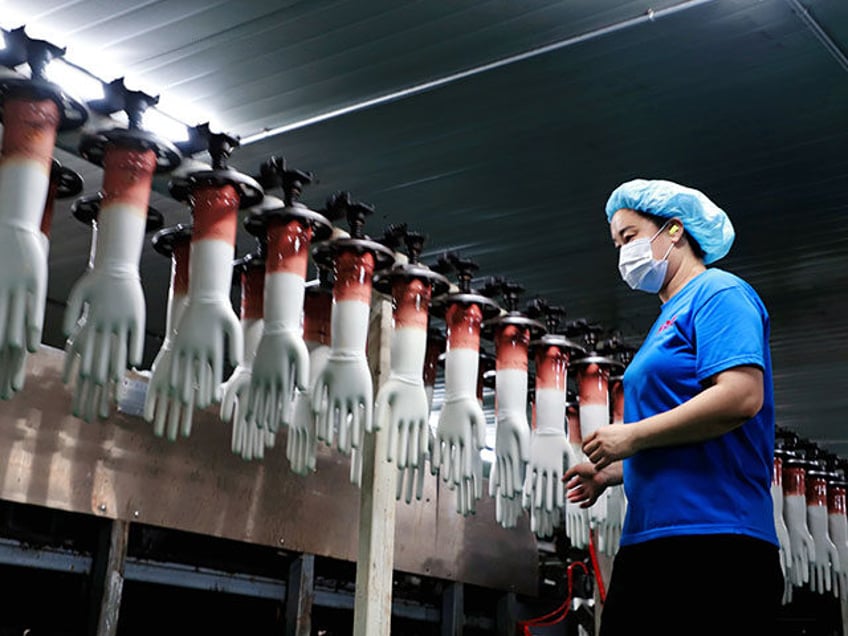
(107, 578)
(300, 592)
(453, 609)
(372, 614)
(506, 615)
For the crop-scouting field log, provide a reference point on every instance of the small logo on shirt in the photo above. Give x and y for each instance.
(668, 323)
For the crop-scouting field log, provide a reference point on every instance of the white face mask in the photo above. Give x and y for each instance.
(639, 268)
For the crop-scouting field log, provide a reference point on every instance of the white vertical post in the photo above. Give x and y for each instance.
(372, 612)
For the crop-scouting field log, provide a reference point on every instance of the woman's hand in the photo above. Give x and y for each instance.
(609, 444)
(585, 483)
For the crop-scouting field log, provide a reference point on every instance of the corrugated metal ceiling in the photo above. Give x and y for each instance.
(513, 165)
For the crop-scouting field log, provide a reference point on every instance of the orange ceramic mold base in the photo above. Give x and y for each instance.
(836, 500)
(777, 473)
(617, 392)
(317, 314)
(288, 247)
(463, 326)
(179, 263)
(816, 491)
(794, 482)
(511, 347)
(593, 385)
(128, 178)
(252, 293)
(551, 368)
(411, 302)
(354, 272)
(29, 132)
(215, 213)
(49, 206)
(572, 416)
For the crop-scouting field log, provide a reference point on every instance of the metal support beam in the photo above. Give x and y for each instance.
(107, 578)
(453, 611)
(300, 592)
(375, 556)
(506, 614)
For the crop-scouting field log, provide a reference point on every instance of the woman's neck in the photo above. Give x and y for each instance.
(688, 269)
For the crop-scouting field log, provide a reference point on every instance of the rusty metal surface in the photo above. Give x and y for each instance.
(117, 468)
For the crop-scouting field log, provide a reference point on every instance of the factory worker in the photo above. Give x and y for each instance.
(699, 550)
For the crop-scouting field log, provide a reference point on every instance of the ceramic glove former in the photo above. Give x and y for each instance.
(543, 493)
(64, 183)
(780, 525)
(803, 548)
(825, 566)
(32, 110)
(169, 416)
(837, 525)
(109, 294)
(209, 324)
(301, 443)
(410, 481)
(248, 440)
(342, 398)
(401, 405)
(282, 359)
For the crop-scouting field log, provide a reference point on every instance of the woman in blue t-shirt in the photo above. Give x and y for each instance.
(699, 551)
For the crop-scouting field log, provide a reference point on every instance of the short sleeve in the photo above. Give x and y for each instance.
(730, 331)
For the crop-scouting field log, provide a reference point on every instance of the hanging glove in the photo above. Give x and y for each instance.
(342, 398)
(837, 525)
(507, 510)
(109, 293)
(302, 441)
(410, 479)
(512, 434)
(593, 387)
(576, 517)
(548, 444)
(802, 546)
(461, 429)
(282, 361)
(29, 136)
(825, 566)
(160, 405)
(208, 319)
(401, 405)
(248, 440)
(782, 531)
(301, 445)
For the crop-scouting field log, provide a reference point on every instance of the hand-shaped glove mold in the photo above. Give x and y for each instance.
(461, 430)
(108, 301)
(837, 525)
(168, 414)
(802, 546)
(825, 566)
(248, 440)
(782, 530)
(208, 320)
(342, 398)
(29, 136)
(302, 439)
(401, 406)
(282, 362)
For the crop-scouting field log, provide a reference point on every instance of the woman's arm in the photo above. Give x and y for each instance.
(731, 398)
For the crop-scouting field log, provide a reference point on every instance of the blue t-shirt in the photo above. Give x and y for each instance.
(716, 322)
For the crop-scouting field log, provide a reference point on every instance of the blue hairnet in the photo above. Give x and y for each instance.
(705, 222)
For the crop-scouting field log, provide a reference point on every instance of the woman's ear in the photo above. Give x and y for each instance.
(675, 229)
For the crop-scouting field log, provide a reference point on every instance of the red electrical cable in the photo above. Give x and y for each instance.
(598, 577)
(558, 614)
